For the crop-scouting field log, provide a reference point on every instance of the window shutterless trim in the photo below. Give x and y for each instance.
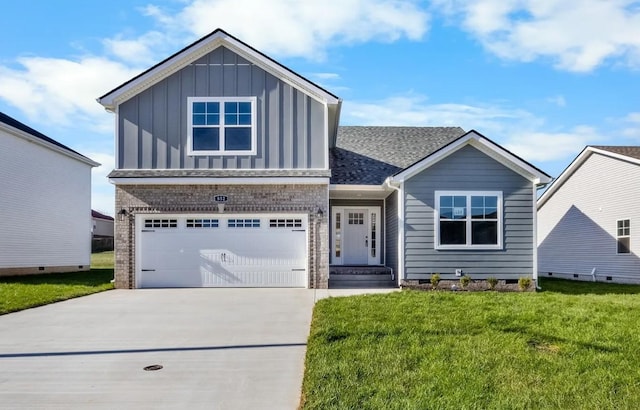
(468, 220)
(623, 236)
(222, 126)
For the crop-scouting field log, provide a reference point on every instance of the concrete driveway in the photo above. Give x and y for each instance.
(218, 348)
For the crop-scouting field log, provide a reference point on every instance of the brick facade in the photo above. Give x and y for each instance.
(242, 199)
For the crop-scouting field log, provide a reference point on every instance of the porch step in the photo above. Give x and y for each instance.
(345, 277)
(359, 270)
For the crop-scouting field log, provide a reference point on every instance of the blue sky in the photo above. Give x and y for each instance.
(542, 78)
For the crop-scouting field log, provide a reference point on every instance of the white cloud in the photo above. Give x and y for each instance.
(141, 50)
(631, 127)
(578, 35)
(325, 76)
(414, 110)
(63, 91)
(102, 192)
(558, 100)
(300, 28)
(517, 130)
(552, 146)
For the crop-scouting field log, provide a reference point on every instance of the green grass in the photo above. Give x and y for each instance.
(574, 345)
(23, 292)
(102, 260)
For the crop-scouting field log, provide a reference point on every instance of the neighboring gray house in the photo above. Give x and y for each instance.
(45, 200)
(101, 232)
(232, 171)
(588, 218)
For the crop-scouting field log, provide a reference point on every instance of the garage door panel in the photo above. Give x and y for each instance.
(223, 256)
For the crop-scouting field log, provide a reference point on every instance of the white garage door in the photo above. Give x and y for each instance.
(222, 251)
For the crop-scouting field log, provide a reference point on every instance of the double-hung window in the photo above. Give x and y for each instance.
(222, 125)
(623, 235)
(468, 220)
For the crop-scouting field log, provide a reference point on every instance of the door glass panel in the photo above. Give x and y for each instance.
(338, 235)
(356, 218)
(373, 234)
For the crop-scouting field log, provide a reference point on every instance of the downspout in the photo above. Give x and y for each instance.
(389, 182)
(536, 187)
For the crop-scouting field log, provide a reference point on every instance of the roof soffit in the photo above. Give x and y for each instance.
(53, 147)
(586, 153)
(198, 50)
(484, 145)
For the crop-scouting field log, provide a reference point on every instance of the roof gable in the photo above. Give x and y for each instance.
(630, 154)
(202, 47)
(100, 215)
(366, 155)
(486, 146)
(22, 130)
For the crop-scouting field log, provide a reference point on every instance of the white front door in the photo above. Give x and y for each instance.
(356, 237)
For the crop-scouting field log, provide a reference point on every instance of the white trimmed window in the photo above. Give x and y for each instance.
(623, 235)
(221, 125)
(468, 220)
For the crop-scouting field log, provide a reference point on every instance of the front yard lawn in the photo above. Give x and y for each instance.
(23, 292)
(573, 345)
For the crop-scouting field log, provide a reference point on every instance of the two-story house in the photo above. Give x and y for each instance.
(232, 170)
(45, 203)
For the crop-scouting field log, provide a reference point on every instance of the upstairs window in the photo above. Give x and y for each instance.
(623, 235)
(222, 125)
(468, 220)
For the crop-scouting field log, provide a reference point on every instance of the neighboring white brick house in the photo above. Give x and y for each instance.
(589, 218)
(45, 205)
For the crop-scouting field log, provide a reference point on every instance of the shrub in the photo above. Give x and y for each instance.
(524, 283)
(464, 281)
(435, 278)
(492, 281)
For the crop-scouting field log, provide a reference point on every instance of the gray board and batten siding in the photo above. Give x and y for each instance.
(152, 126)
(468, 170)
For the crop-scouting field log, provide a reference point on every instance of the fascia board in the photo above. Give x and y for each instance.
(510, 161)
(485, 146)
(577, 163)
(614, 155)
(25, 135)
(198, 50)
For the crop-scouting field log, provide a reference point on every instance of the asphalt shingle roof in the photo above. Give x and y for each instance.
(632, 151)
(368, 155)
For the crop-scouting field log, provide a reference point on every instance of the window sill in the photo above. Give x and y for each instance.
(192, 153)
(468, 248)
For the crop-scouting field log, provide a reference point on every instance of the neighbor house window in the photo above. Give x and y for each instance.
(623, 235)
(468, 220)
(222, 126)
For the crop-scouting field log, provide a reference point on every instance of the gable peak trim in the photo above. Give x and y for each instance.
(202, 47)
(486, 146)
(577, 162)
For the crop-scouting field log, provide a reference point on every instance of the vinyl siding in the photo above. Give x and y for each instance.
(468, 170)
(45, 206)
(152, 126)
(102, 227)
(391, 243)
(577, 225)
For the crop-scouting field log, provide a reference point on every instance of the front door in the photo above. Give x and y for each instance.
(356, 237)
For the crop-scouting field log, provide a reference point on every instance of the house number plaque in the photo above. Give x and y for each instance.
(220, 198)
